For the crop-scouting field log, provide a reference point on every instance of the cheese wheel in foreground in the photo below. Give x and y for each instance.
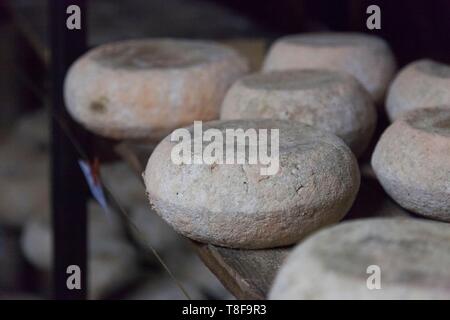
(146, 88)
(368, 58)
(369, 259)
(238, 205)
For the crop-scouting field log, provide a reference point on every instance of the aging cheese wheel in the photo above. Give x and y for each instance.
(412, 162)
(369, 259)
(329, 100)
(235, 205)
(146, 88)
(421, 84)
(366, 57)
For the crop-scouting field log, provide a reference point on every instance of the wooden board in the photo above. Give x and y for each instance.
(247, 274)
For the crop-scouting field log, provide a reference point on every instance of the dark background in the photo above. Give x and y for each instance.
(414, 28)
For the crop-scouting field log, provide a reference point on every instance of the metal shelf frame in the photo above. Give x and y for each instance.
(68, 188)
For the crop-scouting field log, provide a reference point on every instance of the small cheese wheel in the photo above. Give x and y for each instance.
(421, 84)
(412, 162)
(329, 100)
(146, 88)
(368, 58)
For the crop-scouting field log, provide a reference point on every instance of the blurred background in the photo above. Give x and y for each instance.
(118, 267)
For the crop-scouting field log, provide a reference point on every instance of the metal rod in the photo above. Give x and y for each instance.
(68, 188)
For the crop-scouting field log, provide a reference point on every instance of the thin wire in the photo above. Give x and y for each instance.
(73, 141)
